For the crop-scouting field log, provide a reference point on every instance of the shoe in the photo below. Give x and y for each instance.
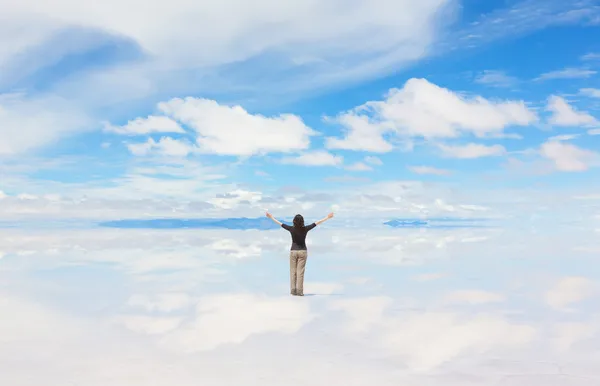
(299, 294)
(293, 292)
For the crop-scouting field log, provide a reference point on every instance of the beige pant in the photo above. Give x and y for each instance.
(297, 265)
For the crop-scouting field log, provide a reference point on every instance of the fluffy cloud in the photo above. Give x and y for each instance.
(472, 150)
(594, 132)
(151, 325)
(568, 334)
(361, 135)
(372, 160)
(359, 167)
(234, 198)
(425, 277)
(368, 37)
(151, 124)
(591, 92)
(364, 313)
(194, 190)
(423, 109)
(165, 146)
(563, 114)
(231, 130)
(495, 78)
(27, 124)
(563, 137)
(25, 326)
(429, 170)
(426, 340)
(222, 130)
(570, 290)
(166, 302)
(568, 157)
(223, 319)
(315, 158)
(236, 249)
(591, 56)
(567, 73)
(473, 297)
(323, 288)
(430, 339)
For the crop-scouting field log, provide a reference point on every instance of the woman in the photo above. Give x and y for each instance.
(298, 252)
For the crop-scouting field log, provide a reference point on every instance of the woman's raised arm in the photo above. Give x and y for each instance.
(269, 215)
(330, 215)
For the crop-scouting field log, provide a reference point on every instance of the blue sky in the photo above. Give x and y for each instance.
(457, 143)
(70, 91)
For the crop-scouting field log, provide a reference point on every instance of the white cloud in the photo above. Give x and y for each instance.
(495, 78)
(27, 124)
(144, 25)
(165, 146)
(591, 92)
(426, 340)
(563, 137)
(315, 158)
(364, 313)
(423, 109)
(195, 191)
(261, 173)
(472, 150)
(507, 136)
(141, 149)
(570, 290)
(234, 198)
(594, 132)
(425, 277)
(362, 135)
(367, 39)
(563, 114)
(151, 325)
(567, 73)
(372, 160)
(226, 319)
(25, 325)
(473, 297)
(26, 196)
(151, 124)
(429, 339)
(568, 334)
(359, 167)
(591, 56)
(568, 157)
(231, 130)
(165, 302)
(235, 249)
(322, 288)
(429, 170)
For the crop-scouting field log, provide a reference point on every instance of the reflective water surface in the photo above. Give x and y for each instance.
(385, 306)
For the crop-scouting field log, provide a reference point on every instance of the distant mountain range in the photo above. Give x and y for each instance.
(266, 224)
(228, 223)
(443, 222)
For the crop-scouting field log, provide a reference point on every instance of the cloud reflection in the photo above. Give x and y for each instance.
(464, 306)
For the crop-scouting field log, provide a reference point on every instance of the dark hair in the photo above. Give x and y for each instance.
(299, 221)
